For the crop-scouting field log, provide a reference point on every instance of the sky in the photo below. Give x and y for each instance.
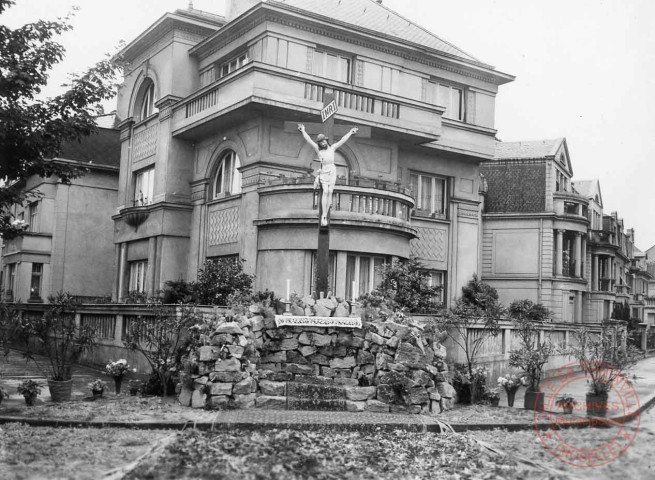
(583, 71)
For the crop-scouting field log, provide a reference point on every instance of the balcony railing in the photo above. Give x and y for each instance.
(602, 236)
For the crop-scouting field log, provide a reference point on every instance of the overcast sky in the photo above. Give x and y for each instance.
(584, 71)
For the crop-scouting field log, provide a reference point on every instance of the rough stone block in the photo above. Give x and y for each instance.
(421, 377)
(294, 356)
(382, 360)
(376, 406)
(218, 402)
(412, 409)
(229, 327)
(185, 397)
(319, 359)
(307, 350)
(407, 354)
(235, 350)
(276, 357)
(198, 399)
(350, 382)
(269, 323)
(378, 339)
(360, 393)
(333, 351)
(440, 351)
(364, 357)
(245, 401)
(435, 406)
(220, 388)
(395, 378)
(328, 372)
(227, 365)
(208, 353)
(446, 390)
(257, 323)
(226, 377)
(393, 342)
(272, 389)
(397, 367)
(245, 387)
(417, 396)
(348, 362)
(265, 401)
(387, 394)
(439, 377)
(352, 406)
(434, 394)
(299, 369)
(222, 339)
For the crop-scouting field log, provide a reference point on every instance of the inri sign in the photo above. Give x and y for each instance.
(329, 110)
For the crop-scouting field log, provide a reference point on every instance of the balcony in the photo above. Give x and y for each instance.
(28, 242)
(295, 95)
(649, 301)
(356, 202)
(602, 237)
(571, 205)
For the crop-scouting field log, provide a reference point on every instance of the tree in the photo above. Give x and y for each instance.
(533, 354)
(32, 131)
(471, 322)
(220, 279)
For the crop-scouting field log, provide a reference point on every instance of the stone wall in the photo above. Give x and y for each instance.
(381, 367)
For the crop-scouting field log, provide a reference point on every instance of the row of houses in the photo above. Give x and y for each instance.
(203, 160)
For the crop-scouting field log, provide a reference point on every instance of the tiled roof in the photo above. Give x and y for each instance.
(377, 18)
(527, 149)
(102, 148)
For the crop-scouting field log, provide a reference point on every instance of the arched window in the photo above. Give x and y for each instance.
(227, 180)
(145, 100)
(343, 166)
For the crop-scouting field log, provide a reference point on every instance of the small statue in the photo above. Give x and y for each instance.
(327, 175)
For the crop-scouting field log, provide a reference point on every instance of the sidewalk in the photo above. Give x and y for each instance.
(157, 413)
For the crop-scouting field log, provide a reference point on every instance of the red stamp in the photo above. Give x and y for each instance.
(614, 410)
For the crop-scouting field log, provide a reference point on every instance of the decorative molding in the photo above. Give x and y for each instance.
(144, 143)
(223, 226)
(467, 212)
(430, 244)
(291, 321)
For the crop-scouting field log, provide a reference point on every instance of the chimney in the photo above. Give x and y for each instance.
(234, 8)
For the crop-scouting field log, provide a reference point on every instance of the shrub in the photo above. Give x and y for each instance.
(178, 291)
(218, 280)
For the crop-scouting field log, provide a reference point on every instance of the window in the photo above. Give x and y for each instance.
(332, 66)
(11, 277)
(138, 276)
(453, 98)
(233, 64)
(430, 193)
(33, 212)
(436, 279)
(144, 186)
(146, 100)
(207, 76)
(362, 274)
(228, 178)
(35, 282)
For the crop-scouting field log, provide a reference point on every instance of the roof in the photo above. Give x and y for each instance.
(108, 120)
(101, 148)
(374, 16)
(525, 150)
(589, 189)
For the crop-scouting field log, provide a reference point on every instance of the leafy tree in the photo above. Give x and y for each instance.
(32, 131)
(471, 322)
(404, 286)
(221, 279)
(533, 354)
(161, 338)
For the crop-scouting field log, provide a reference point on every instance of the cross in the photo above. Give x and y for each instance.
(323, 251)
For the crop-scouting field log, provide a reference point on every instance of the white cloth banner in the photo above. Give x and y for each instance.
(344, 322)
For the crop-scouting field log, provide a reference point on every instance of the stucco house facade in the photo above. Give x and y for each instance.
(67, 241)
(212, 163)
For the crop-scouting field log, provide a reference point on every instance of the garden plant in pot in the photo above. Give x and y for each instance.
(60, 339)
(29, 389)
(603, 362)
(528, 318)
(97, 388)
(511, 382)
(567, 402)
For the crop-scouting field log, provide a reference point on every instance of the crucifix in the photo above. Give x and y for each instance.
(325, 180)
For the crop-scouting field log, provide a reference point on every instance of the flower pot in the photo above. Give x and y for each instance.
(567, 408)
(495, 402)
(97, 393)
(30, 400)
(60, 390)
(596, 404)
(511, 395)
(533, 400)
(117, 384)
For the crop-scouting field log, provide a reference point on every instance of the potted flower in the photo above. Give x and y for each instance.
(135, 386)
(117, 371)
(97, 388)
(57, 336)
(511, 383)
(567, 402)
(493, 396)
(3, 394)
(528, 318)
(29, 389)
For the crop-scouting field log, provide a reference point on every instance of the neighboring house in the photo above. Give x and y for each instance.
(67, 243)
(642, 305)
(212, 164)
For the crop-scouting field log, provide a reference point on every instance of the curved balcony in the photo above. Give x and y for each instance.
(571, 205)
(357, 203)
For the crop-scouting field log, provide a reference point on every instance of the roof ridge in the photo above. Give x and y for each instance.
(429, 32)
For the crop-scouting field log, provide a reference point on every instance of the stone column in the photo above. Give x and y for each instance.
(595, 273)
(578, 255)
(584, 255)
(559, 244)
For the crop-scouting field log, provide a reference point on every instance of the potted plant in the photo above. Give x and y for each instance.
(3, 394)
(60, 339)
(533, 354)
(97, 388)
(511, 383)
(567, 402)
(29, 389)
(493, 396)
(117, 371)
(135, 386)
(602, 363)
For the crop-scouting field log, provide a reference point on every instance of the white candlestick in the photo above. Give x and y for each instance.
(354, 293)
(288, 289)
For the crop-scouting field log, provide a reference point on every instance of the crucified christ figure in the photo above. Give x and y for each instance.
(327, 175)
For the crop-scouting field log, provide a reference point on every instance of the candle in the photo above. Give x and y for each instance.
(288, 289)
(354, 293)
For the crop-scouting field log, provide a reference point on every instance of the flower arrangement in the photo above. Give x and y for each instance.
(97, 386)
(135, 386)
(118, 368)
(567, 402)
(29, 389)
(492, 396)
(511, 382)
